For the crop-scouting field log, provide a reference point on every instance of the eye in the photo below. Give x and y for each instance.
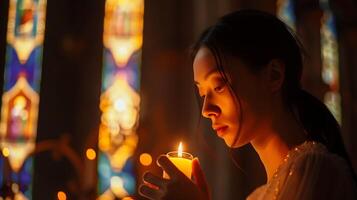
(219, 89)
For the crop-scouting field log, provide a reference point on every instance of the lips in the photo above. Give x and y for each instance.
(220, 130)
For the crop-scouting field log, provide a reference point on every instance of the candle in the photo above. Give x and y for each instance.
(182, 160)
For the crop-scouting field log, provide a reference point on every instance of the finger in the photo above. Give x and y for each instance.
(155, 180)
(149, 192)
(169, 167)
(199, 176)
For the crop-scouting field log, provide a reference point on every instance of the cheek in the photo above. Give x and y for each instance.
(254, 116)
(260, 103)
(249, 111)
(245, 130)
(255, 97)
(230, 108)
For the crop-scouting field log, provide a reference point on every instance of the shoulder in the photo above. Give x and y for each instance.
(310, 171)
(315, 156)
(321, 172)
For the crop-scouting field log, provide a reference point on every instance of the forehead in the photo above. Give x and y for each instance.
(203, 63)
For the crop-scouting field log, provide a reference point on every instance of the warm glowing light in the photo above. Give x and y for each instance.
(17, 153)
(120, 105)
(117, 186)
(120, 99)
(127, 198)
(145, 159)
(91, 155)
(182, 160)
(107, 195)
(20, 97)
(123, 26)
(19, 103)
(61, 195)
(104, 138)
(330, 63)
(15, 188)
(179, 153)
(121, 154)
(30, 32)
(5, 152)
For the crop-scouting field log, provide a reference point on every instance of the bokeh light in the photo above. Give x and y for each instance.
(145, 159)
(61, 195)
(5, 152)
(91, 154)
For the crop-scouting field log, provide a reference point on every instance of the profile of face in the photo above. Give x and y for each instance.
(220, 102)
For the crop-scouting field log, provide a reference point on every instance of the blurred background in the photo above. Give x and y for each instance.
(95, 90)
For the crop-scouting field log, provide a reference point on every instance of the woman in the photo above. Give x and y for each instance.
(247, 69)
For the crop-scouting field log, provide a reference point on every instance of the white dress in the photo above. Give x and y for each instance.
(309, 172)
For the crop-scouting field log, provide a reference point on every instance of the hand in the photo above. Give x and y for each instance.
(178, 187)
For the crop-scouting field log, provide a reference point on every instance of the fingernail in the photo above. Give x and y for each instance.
(145, 175)
(197, 160)
(161, 158)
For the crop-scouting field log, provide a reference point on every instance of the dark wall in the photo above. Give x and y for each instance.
(70, 90)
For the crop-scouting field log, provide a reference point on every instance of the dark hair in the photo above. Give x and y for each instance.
(256, 38)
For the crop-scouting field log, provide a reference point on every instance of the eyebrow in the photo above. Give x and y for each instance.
(214, 70)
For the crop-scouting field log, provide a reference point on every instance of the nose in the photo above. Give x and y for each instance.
(209, 109)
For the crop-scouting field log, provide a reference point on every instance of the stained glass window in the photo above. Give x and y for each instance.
(20, 100)
(329, 55)
(119, 102)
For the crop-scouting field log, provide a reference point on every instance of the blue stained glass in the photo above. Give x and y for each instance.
(331, 25)
(30, 68)
(131, 70)
(24, 177)
(106, 172)
(129, 181)
(1, 169)
(117, 23)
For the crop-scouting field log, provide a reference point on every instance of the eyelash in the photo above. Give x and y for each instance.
(218, 89)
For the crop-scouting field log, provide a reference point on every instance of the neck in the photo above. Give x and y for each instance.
(272, 153)
(276, 139)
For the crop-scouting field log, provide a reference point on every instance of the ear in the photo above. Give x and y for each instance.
(275, 74)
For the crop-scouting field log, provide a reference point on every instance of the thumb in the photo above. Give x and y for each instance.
(199, 176)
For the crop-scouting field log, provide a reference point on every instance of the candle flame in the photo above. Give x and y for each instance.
(180, 150)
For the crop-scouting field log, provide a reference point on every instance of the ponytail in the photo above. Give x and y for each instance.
(320, 124)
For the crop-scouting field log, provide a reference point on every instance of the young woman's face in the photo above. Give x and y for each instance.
(221, 106)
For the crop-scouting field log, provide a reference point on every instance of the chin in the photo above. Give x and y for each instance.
(229, 142)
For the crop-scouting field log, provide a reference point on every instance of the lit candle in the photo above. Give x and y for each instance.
(182, 160)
